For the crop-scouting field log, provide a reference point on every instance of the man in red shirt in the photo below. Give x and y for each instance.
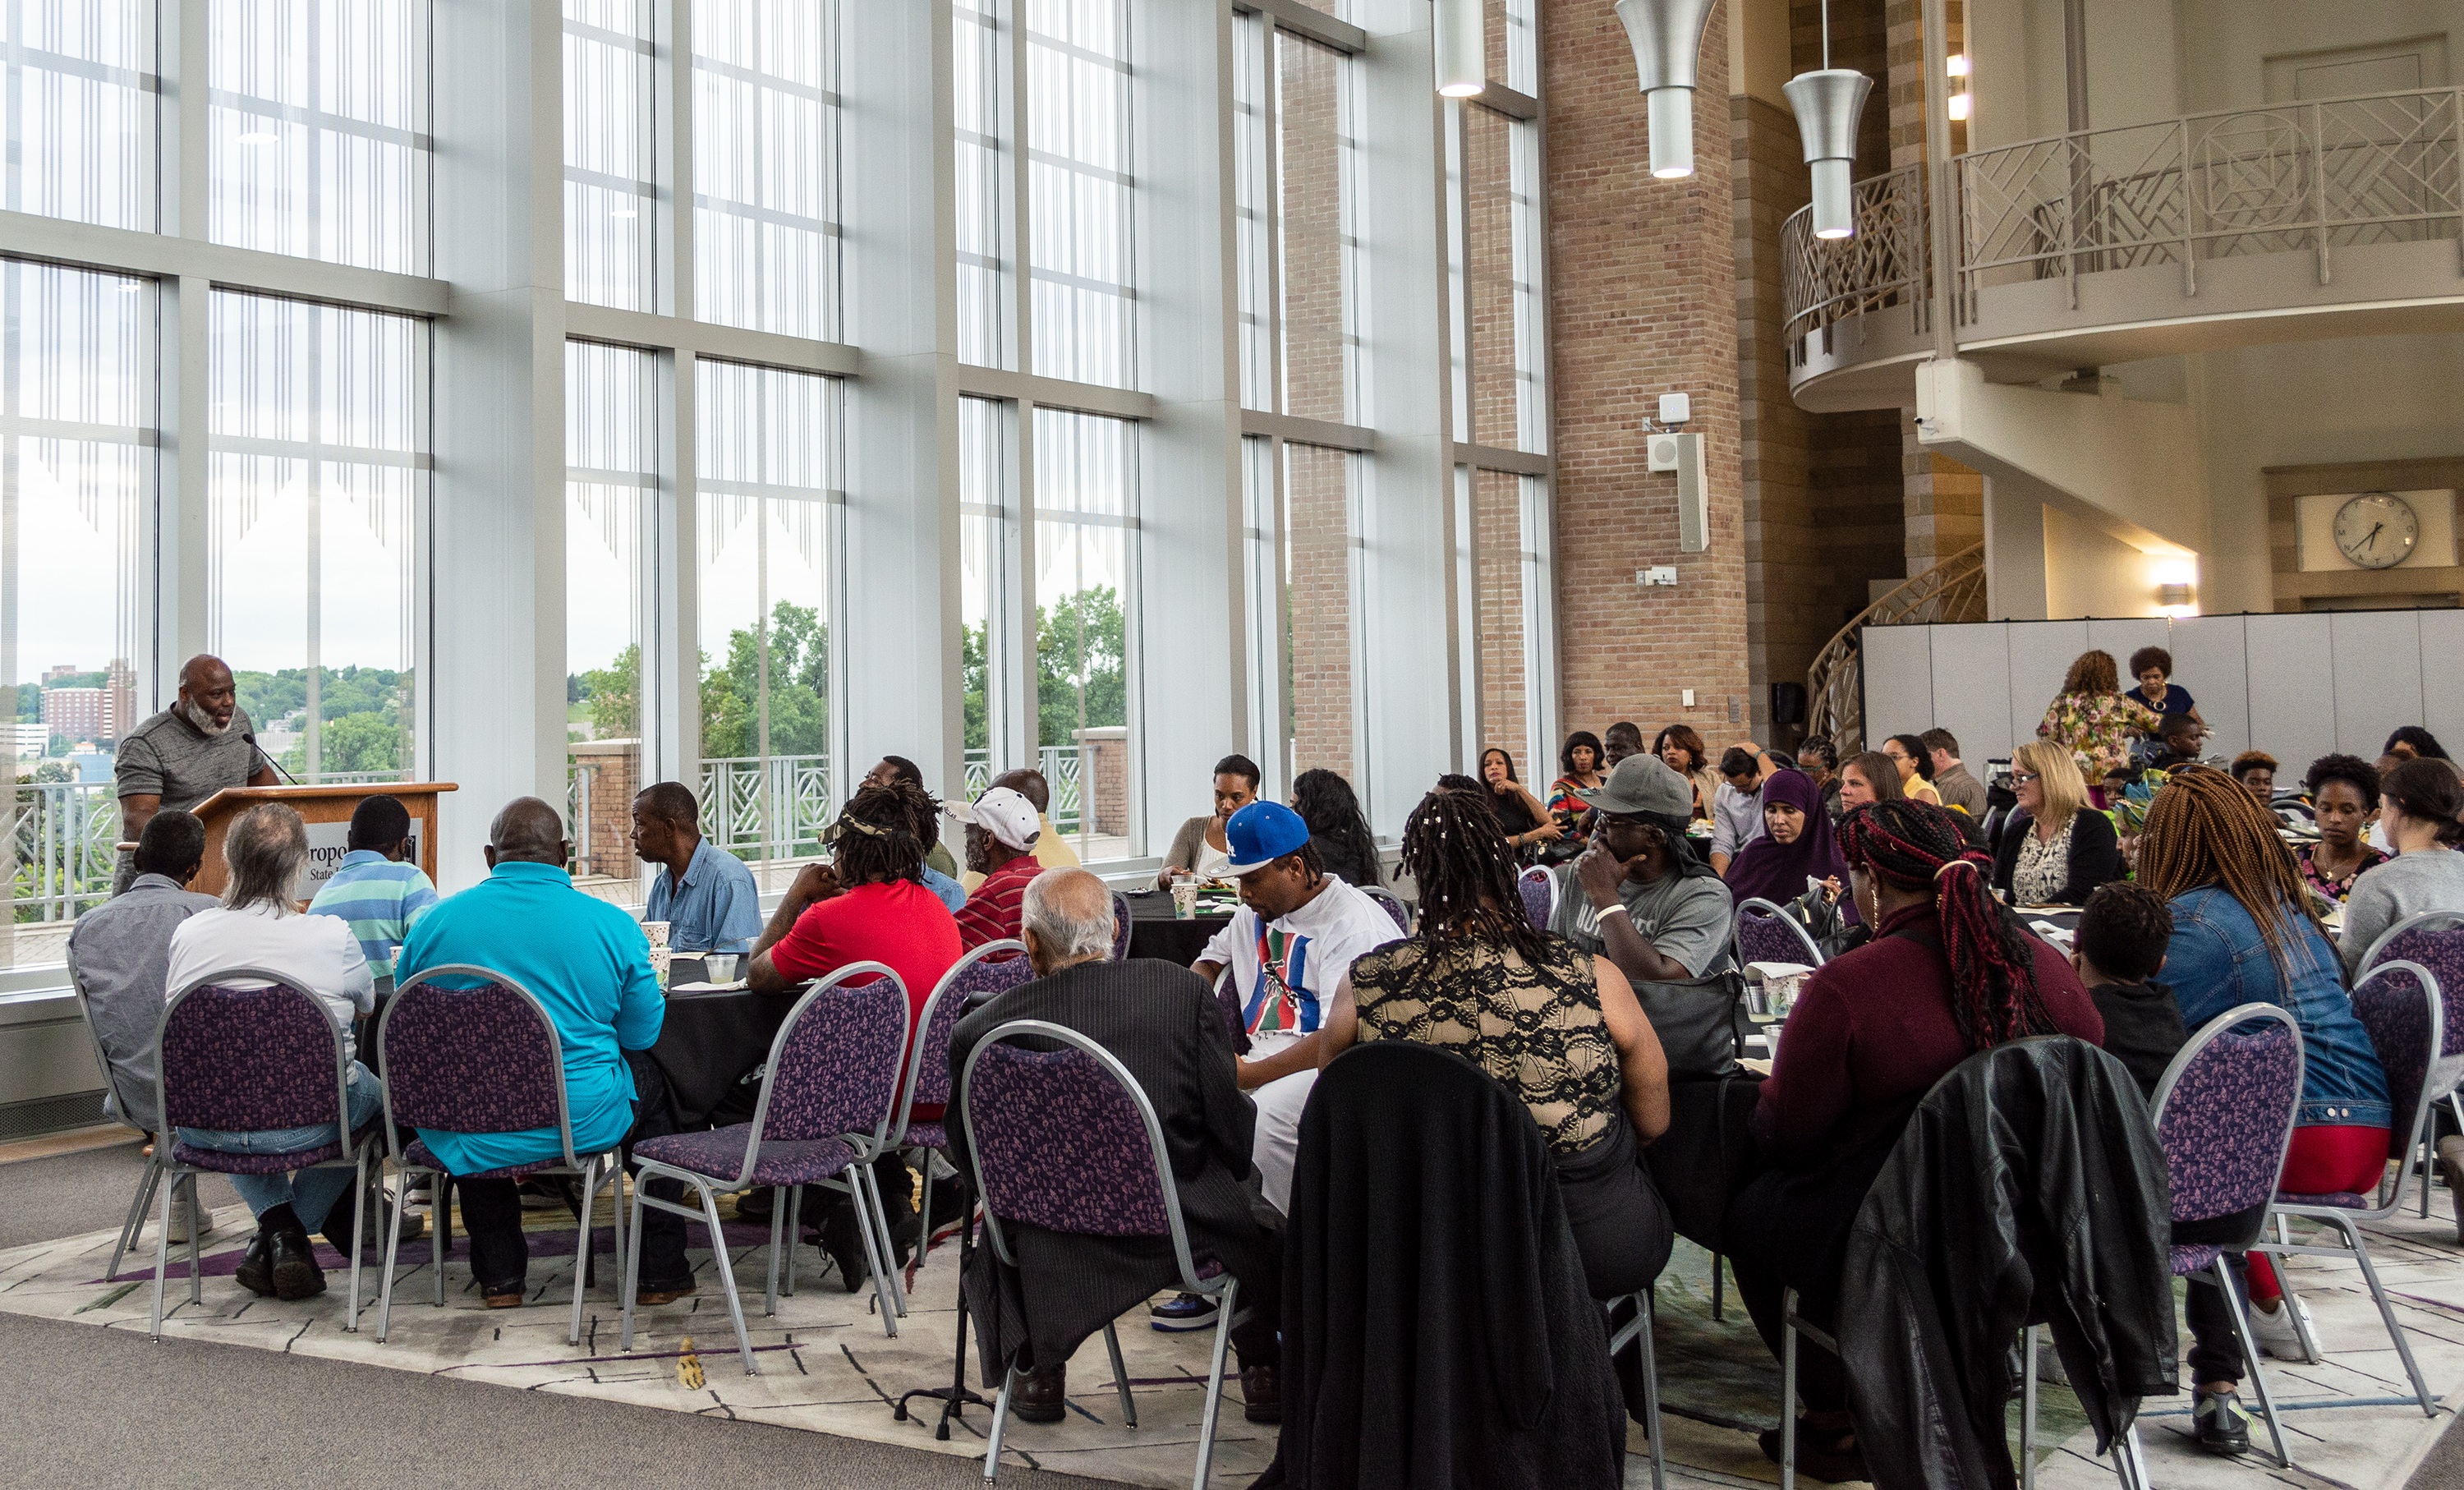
(1002, 832)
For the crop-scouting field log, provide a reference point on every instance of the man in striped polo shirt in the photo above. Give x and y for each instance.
(375, 888)
(1002, 834)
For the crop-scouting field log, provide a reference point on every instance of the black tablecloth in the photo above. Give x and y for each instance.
(705, 1047)
(1156, 933)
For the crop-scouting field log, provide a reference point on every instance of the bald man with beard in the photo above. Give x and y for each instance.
(202, 744)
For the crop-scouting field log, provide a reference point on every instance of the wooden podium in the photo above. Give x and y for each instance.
(328, 808)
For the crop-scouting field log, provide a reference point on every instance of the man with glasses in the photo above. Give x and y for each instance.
(1637, 895)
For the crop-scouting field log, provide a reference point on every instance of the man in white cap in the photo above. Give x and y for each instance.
(1002, 833)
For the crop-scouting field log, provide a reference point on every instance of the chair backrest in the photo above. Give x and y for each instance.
(1539, 891)
(125, 1112)
(249, 1059)
(481, 1059)
(1392, 903)
(835, 1063)
(2433, 938)
(988, 969)
(1120, 927)
(1066, 1139)
(2398, 1004)
(1766, 934)
(1236, 1017)
(2225, 1110)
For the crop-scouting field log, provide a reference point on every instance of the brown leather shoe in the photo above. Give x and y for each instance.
(1036, 1396)
(504, 1300)
(652, 1297)
(1262, 1395)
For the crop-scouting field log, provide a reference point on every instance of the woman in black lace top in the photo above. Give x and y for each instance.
(1560, 1028)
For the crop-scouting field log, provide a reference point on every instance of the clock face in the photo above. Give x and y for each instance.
(2377, 530)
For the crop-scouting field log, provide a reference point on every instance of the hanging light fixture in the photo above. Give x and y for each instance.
(1827, 104)
(1462, 48)
(1668, 38)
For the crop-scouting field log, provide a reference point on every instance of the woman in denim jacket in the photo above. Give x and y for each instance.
(2243, 933)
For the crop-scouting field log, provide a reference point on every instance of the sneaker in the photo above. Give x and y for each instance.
(190, 1220)
(2278, 1335)
(2223, 1424)
(2451, 1166)
(1189, 1311)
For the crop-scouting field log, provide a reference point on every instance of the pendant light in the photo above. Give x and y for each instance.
(1827, 104)
(1462, 48)
(1668, 38)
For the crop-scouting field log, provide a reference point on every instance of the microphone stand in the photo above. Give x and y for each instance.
(261, 755)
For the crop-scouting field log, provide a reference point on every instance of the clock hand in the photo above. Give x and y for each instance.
(2372, 539)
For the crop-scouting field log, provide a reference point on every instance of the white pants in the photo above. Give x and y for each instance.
(1278, 1136)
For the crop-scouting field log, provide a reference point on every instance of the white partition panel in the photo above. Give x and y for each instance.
(2041, 652)
(2292, 696)
(1899, 681)
(2442, 676)
(2377, 681)
(2124, 636)
(2210, 660)
(1971, 696)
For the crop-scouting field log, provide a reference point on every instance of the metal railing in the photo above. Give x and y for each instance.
(1950, 591)
(1883, 267)
(767, 808)
(1061, 768)
(60, 855)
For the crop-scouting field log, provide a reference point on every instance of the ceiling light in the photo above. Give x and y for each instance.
(1462, 48)
(1827, 104)
(1667, 40)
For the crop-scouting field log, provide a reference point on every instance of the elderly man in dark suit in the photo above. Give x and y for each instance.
(1161, 1021)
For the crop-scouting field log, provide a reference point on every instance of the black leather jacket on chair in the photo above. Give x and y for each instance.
(2029, 1186)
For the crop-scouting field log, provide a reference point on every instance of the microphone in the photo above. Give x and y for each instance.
(250, 735)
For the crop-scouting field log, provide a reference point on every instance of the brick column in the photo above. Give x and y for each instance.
(1943, 502)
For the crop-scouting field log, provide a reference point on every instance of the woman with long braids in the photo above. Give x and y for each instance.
(1948, 973)
(1561, 1029)
(2243, 932)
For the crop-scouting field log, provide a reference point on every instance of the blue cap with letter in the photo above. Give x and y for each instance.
(1261, 833)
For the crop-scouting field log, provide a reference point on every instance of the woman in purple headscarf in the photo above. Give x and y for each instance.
(1796, 845)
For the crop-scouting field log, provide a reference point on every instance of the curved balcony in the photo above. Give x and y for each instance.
(2337, 218)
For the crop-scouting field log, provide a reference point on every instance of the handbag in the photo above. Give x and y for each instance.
(1702, 1024)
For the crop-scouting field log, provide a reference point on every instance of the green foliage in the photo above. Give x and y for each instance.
(270, 697)
(575, 690)
(29, 701)
(615, 694)
(800, 648)
(60, 745)
(1080, 642)
(974, 680)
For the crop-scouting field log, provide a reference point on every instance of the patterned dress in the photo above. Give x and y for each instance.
(2091, 727)
(2338, 889)
(1538, 1029)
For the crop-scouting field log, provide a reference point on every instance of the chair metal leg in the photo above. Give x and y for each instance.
(889, 1246)
(1787, 1391)
(581, 1244)
(163, 1262)
(726, 1272)
(2235, 1305)
(135, 1225)
(1717, 1281)
(440, 1215)
(1227, 1304)
(2028, 1409)
(1120, 1376)
(196, 1245)
(778, 1215)
(1651, 1387)
(860, 1195)
(2130, 1460)
(632, 1273)
(392, 1252)
(359, 1239)
(2387, 1313)
(795, 1232)
(1001, 1421)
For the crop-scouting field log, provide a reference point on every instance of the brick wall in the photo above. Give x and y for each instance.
(1318, 600)
(604, 844)
(1505, 677)
(1104, 773)
(1643, 301)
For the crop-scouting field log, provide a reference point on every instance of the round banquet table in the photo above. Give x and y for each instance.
(1155, 931)
(707, 1044)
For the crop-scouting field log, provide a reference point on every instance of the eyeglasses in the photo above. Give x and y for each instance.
(2023, 777)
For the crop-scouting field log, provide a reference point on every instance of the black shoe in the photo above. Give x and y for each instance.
(1036, 1396)
(256, 1266)
(296, 1274)
(1262, 1395)
(952, 1199)
(2224, 1426)
(840, 1239)
(753, 1205)
(1830, 1457)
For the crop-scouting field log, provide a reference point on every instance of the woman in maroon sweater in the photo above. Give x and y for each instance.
(1947, 973)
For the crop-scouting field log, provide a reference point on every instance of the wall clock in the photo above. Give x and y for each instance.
(2377, 530)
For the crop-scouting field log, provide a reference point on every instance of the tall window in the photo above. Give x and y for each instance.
(766, 164)
(611, 232)
(78, 98)
(987, 571)
(981, 132)
(1501, 567)
(768, 489)
(1295, 159)
(1080, 256)
(318, 119)
(1500, 324)
(611, 479)
(76, 497)
(1086, 484)
(317, 506)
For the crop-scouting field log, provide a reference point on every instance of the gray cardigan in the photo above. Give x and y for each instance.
(2404, 885)
(1185, 844)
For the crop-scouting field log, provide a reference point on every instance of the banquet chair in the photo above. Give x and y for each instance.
(1067, 1140)
(822, 1116)
(1637, 1332)
(1227, 997)
(253, 1059)
(1392, 903)
(2434, 939)
(481, 1059)
(993, 968)
(1764, 932)
(156, 1158)
(1121, 927)
(1539, 889)
(2399, 1006)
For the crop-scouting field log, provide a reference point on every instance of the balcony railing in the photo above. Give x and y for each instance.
(1883, 268)
(1060, 765)
(61, 837)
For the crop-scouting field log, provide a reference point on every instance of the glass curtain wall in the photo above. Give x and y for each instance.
(610, 191)
(1081, 255)
(1294, 158)
(1085, 588)
(765, 165)
(611, 489)
(980, 131)
(988, 591)
(1501, 565)
(78, 97)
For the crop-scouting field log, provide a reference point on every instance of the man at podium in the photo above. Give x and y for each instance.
(203, 743)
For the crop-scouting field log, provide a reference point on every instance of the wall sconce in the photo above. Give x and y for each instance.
(1463, 49)
(1667, 39)
(1960, 104)
(2173, 596)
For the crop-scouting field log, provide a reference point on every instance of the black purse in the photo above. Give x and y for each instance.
(1702, 1024)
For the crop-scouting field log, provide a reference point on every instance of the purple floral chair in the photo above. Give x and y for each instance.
(2434, 939)
(1393, 905)
(483, 1059)
(253, 1059)
(1236, 1017)
(1066, 1139)
(1539, 891)
(824, 1109)
(993, 968)
(1764, 932)
(1121, 922)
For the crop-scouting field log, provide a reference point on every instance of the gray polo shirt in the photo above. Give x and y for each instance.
(168, 756)
(118, 954)
(1687, 918)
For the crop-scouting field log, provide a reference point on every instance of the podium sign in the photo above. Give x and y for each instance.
(327, 810)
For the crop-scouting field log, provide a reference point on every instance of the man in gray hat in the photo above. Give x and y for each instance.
(1637, 894)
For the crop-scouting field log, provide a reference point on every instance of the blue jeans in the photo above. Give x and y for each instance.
(309, 1193)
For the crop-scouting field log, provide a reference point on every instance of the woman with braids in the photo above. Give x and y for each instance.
(2243, 932)
(1947, 973)
(1560, 1028)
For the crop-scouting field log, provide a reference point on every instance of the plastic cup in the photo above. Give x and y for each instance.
(656, 931)
(1185, 899)
(719, 967)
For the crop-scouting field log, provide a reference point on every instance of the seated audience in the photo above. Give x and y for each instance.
(587, 964)
(1638, 896)
(2153, 668)
(1617, 741)
(2179, 739)
(1915, 764)
(2422, 808)
(118, 953)
(1819, 759)
(1560, 1028)
(1947, 973)
(1002, 834)
(376, 887)
(259, 925)
(1051, 849)
(1525, 821)
(1582, 771)
(2243, 933)
(2117, 950)
(937, 863)
(704, 893)
(1336, 826)
(1952, 782)
(1866, 778)
(1163, 1024)
(1199, 848)
(2412, 742)
(1681, 748)
(1288, 946)
(2343, 792)
(2056, 850)
(1797, 850)
(2091, 717)
(1737, 811)
(2256, 770)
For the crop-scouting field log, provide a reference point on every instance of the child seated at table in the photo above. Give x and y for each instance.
(2119, 948)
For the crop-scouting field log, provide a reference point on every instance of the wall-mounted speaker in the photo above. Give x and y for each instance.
(1693, 495)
